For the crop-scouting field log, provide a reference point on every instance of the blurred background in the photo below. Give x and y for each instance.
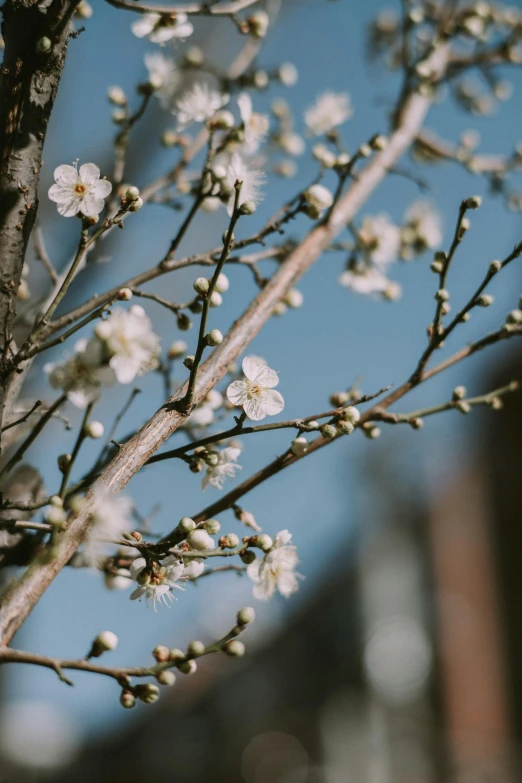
(399, 658)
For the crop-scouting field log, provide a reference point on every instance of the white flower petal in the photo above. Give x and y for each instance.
(237, 393)
(137, 566)
(254, 409)
(273, 403)
(66, 175)
(101, 189)
(89, 173)
(91, 207)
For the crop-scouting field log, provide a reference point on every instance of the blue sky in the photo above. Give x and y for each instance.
(334, 339)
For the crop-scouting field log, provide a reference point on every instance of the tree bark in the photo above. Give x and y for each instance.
(29, 81)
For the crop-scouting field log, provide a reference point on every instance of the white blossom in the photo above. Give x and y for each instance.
(368, 280)
(160, 28)
(238, 170)
(276, 570)
(256, 393)
(199, 104)
(161, 583)
(83, 374)
(194, 568)
(130, 342)
(424, 219)
(79, 190)
(330, 110)
(226, 468)
(381, 237)
(163, 76)
(255, 125)
(111, 517)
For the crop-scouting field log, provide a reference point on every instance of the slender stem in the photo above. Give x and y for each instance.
(24, 417)
(19, 453)
(82, 434)
(189, 397)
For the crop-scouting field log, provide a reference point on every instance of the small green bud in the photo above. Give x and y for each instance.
(442, 295)
(212, 526)
(188, 667)
(189, 360)
(459, 392)
(247, 208)
(147, 692)
(264, 542)
(234, 648)
(43, 45)
(345, 427)
(351, 414)
(247, 556)
(230, 541)
(485, 300)
(161, 653)
(166, 677)
(214, 337)
(127, 700)
(495, 266)
(186, 525)
(473, 202)
(246, 616)
(132, 193)
(328, 431)
(184, 322)
(201, 285)
(195, 648)
(463, 407)
(176, 655)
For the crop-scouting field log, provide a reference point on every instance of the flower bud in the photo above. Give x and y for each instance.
(463, 407)
(64, 460)
(459, 392)
(196, 306)
(105, 641)
(55, 500)
(230, 541)
(379, 142)
(169, 138)
(56, 516)
(189, 360)
(473, 202)
(199, 539)
(116, 96)
(263, 542)
(184, 322)
(127, 700)
(371, 431)
(417, 423)
(258, 24)
(195, 648)
(216, 299)
(188, 667)
(234, 648)
(351, 414)
(201, 285)
(437, 267)
(299, 446)
(118, 116)
(345, 427)
(318, 196)
(328, 431)
(294, 298)
(212, 526)
(365, 151)
(94, 429)
(247, 556)
(514, 317)
(313, 425)
(222, 283)
(260, 80)
(176, 655)
(186, 525)
(84, 10)
(177, 349)
(214, 337)
(161, 653)
(166, 677)
(147, 692)
(194, 56)
(325, 156)
(495, 266)
(132, 193)
(136, 205)
(124, 294)
(288, 74)
(442, 295)
(485, 300)
(246, 615)
(43, 45)
(247, 208)
(223, 120)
